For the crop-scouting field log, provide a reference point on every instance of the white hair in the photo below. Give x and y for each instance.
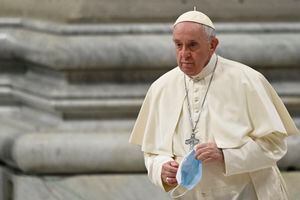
(210, 32)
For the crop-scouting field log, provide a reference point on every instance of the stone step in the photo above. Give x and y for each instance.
(25, 119)
(46, 155)
(106, 186)
(290, 93)
(287, 88)
(113, 100)
(35, 146)
(5, 88)
(99, 100)
(76, 153)
(28, 120)
(87, 187)
(69, 29)
(5, 96)
(110, 54)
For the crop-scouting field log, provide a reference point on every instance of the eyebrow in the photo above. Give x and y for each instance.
(176, 40)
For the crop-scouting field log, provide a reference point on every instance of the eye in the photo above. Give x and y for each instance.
(193, 45)
(178, 45)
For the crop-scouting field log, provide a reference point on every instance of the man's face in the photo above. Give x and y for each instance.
(193, 48)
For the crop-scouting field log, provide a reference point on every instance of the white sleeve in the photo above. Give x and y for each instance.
(154, 164)
(256, 154)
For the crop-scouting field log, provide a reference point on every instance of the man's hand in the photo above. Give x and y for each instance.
(168, 173)
(209, 152)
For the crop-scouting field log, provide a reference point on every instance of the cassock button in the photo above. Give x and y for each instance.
(203, 194)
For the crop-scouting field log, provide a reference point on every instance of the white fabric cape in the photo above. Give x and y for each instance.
(241, 105)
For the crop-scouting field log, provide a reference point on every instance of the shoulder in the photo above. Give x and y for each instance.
(166, 79)
(238, 71)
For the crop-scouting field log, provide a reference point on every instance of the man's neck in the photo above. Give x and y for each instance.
(207, 69)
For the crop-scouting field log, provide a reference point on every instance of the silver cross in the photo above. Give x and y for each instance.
(192, 141)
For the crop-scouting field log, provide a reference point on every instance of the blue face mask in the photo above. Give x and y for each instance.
(189, 173)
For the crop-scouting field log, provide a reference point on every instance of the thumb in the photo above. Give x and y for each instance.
(174, 164)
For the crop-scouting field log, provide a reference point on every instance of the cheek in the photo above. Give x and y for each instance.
(202, 56)
(178, 55)
(197, 57)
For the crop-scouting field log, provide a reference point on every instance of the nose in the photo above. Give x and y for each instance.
(185, 52)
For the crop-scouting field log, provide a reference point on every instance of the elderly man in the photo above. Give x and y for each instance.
(224, 111)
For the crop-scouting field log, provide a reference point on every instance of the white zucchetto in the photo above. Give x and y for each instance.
(194, 16)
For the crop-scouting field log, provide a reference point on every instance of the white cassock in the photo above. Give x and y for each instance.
(242, 114)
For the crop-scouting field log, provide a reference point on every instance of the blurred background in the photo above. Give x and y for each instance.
(73, 75)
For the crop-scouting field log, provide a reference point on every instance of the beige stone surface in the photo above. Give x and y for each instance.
(77, 153)
(105, 187)
(155, 10)
(87, 187)
(292, 180)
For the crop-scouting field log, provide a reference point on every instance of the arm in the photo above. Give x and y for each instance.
(256, 154)
(154, 164)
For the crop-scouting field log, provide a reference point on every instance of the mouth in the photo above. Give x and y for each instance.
(186, 63)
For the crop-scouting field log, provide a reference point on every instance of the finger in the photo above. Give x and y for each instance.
(171, 181)
(171, 163)
(203, 156)
(215, 156)
(202, 151)
(206, 149)
(170, 175)
(174, 164)
(170, 168)
(168, 171)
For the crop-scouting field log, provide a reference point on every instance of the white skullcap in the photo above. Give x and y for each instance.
(195, 16)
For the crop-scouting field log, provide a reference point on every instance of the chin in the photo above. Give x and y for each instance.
(188, 72)
(191, 74)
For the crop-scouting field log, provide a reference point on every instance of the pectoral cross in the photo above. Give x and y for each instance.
(192, 141)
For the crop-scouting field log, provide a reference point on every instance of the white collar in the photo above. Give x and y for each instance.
(208, 69)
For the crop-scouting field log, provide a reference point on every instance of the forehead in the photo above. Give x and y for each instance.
(189, 30)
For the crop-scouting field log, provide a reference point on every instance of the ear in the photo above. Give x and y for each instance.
(213, 44)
